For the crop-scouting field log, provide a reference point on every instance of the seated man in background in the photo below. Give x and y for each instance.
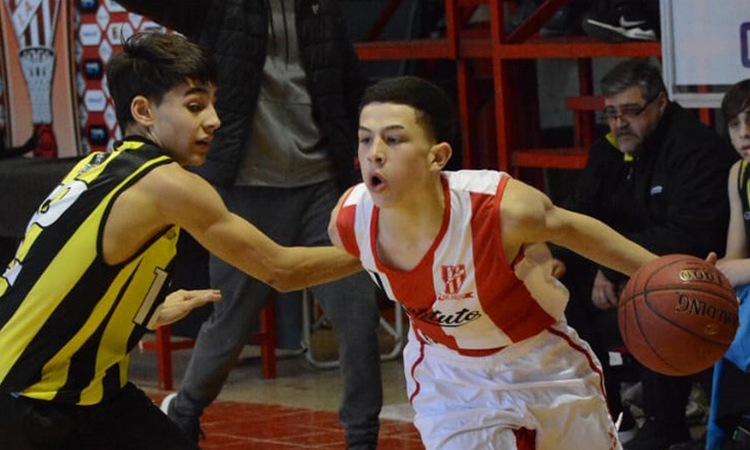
(659, 178)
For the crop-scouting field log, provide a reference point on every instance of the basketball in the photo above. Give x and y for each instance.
(677, 315)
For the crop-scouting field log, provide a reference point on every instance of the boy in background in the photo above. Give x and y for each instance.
(730, 399)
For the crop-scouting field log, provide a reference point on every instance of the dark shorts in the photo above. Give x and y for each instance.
(130, 420)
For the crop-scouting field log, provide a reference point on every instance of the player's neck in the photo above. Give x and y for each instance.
(404, 240)
(140, 131)
(416, 219)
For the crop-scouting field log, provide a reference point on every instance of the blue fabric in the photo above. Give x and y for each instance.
(738, 354)
(715, 435)
(739, 351)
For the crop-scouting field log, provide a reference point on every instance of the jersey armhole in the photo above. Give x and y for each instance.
(345, 221)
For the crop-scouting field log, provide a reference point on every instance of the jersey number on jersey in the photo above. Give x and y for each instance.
(147, 315)
(53, 207)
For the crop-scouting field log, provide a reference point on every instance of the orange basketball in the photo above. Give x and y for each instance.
(678, 315)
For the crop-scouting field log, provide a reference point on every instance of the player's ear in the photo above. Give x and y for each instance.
(441, 153)
(140, 108)
(662, 102)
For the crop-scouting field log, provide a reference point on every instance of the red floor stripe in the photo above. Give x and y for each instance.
(250, 426)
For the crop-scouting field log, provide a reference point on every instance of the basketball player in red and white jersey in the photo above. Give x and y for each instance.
(490, 362)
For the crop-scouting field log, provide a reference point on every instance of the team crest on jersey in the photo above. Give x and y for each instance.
(453, 278)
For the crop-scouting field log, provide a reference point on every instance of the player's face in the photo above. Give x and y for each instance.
(394, 152)
(185, 122)
(739, 133)
(631, 117)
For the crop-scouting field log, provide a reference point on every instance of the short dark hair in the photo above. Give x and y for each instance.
(434, 107)
(150, 64)
(633, 72)
(736, 100)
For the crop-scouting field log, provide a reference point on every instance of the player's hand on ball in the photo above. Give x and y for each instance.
(712, 258)
(678, 314)
(603, 294)
(179, 303)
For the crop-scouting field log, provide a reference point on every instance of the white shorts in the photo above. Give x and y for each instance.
(544, 393)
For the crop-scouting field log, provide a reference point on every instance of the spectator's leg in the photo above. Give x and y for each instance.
(235, 316)
(351, 307)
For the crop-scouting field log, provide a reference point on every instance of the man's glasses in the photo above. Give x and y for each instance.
(626, 112)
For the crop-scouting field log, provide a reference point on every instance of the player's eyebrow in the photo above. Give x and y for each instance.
(196, 90)
(388, 128)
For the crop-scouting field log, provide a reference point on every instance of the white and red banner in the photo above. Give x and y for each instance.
(39, 94)
(53, 55)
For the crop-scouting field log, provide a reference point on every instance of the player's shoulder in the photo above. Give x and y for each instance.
(356, 195)
(740, 164)
(172, 172)
(479, 181)
(738, 173)
(168, 182)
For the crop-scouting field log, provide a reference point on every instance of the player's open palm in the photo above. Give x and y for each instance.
(179, 303)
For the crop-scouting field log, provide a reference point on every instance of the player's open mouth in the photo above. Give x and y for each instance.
(376, 182)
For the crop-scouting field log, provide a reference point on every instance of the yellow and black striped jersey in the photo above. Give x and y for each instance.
(67, 318)
(743, 185)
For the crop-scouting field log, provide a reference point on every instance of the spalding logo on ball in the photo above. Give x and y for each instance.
(678, 315)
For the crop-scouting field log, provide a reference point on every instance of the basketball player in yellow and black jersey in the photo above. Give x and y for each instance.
(90, 277)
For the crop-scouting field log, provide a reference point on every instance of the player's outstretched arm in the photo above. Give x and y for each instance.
(528, 215)
(188, 200)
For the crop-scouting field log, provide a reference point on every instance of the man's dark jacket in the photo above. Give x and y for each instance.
(236, 33)
(670, 199)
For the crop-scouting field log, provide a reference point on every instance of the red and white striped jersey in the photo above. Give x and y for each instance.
(34, 21)
(464, 293)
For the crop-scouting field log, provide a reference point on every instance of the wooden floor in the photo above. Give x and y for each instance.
(296, 410)
(239, 426)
